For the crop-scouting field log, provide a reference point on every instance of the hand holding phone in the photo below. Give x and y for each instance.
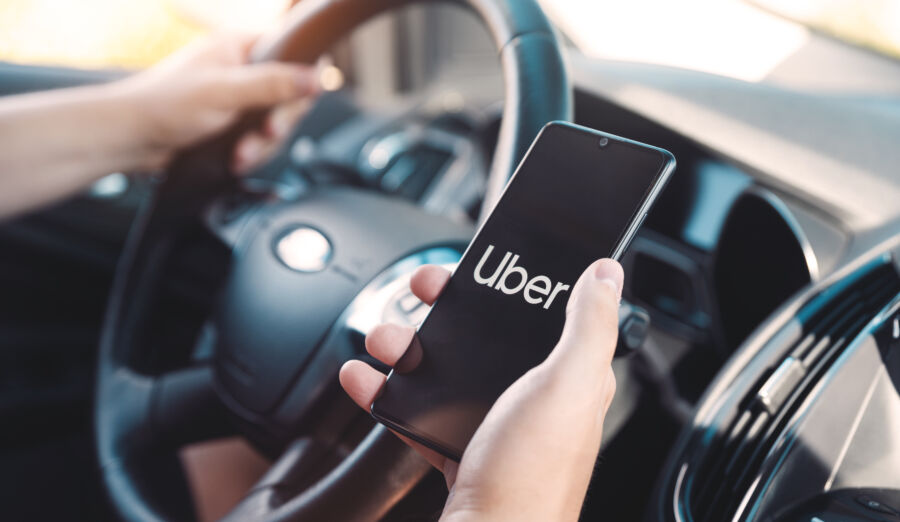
(578, 195)
(527, 443)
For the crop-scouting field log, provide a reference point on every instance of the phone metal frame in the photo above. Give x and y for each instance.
(637, 219)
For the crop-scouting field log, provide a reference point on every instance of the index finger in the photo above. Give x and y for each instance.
(428, 282)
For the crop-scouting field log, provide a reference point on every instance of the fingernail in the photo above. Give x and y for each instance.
(610, 272)
(307, 80)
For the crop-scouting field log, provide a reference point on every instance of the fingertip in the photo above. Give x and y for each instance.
(602, 297)
(361, 382)
(607, 272)
(299, 81)
(388, 342)
(345, 372)
(611, 272)
(593, 310)
(306, 79)
(265, 84)
(428, 282)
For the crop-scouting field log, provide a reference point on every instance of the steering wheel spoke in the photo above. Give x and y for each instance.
(162, 412)
(185, 409)
(225, 217)
(140, 423)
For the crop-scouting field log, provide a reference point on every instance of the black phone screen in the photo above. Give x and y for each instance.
(569, 203)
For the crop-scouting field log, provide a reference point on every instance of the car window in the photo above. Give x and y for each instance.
(119, 33)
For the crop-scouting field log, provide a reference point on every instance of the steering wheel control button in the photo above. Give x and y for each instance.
(407, 309)
(408, 302)
(304, 249)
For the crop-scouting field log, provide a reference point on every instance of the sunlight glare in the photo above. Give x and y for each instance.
(252, 16)
(120, 33)
(725, 37)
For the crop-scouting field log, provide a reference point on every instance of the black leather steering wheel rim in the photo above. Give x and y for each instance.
(131, 435)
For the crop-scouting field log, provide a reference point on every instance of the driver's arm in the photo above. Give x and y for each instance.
(56, 143)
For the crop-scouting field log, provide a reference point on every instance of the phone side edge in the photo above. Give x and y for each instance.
(665, 173)
(395, 425)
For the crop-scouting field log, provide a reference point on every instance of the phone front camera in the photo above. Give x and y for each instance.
(604, 141)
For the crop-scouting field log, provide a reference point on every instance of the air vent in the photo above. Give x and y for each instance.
(830, 322)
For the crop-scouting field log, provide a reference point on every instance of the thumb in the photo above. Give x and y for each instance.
(592, 313)
(267, 84)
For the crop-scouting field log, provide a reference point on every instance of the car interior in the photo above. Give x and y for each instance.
(159, 362)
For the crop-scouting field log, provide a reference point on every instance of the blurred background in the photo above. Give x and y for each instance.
(754, 40)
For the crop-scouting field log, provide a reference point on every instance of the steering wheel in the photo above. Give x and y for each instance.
(305, 279)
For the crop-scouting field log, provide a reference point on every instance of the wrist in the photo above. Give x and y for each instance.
(141, 146)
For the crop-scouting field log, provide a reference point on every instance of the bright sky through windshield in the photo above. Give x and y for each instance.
(725, 37)
(119, 33)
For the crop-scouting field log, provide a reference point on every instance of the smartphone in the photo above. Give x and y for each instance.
(577, 196)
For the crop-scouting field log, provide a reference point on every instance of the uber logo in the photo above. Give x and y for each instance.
(535, 288)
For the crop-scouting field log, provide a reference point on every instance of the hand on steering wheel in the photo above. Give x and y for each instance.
(202, 89)
(533, 455)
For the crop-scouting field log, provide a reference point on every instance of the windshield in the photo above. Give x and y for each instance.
(736, 38)
(743, 39)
